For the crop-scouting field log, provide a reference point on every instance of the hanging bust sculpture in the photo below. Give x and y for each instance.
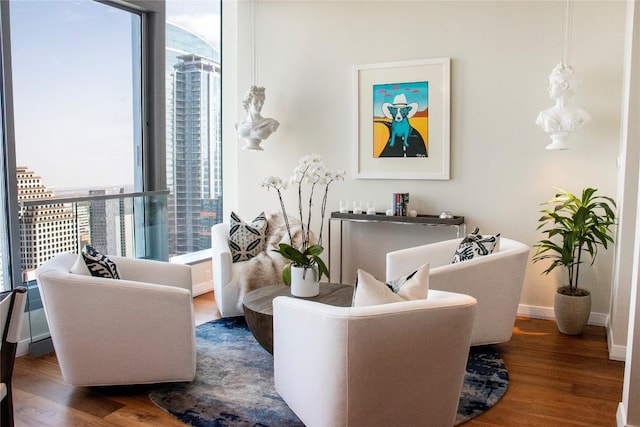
(254, 128)
(559, 120)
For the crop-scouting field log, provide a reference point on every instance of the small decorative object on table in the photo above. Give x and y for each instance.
(371, 208)
(399, 204)
(305, 255)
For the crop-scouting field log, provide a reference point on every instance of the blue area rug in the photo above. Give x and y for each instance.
(234, 382)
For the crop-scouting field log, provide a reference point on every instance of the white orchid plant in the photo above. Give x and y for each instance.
(310, 172)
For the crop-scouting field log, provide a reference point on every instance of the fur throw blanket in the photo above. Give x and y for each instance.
(265, 269)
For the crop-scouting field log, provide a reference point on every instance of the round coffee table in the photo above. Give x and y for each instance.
(258, 307)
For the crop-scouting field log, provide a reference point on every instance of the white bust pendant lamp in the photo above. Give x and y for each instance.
(560, 121)
(254, 128)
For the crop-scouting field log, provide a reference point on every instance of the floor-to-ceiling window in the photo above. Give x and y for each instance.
(83, 163)
(75, 114)
(193, 161)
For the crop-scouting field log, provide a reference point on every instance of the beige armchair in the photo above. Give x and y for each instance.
(135, 330)
(495, 280)
(397, 364)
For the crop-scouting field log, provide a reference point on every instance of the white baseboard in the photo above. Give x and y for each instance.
(616, 352)
(201, 288)
(621, 416)
(538, 312)
(23, 347)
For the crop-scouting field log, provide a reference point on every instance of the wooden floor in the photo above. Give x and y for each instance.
(556, 380)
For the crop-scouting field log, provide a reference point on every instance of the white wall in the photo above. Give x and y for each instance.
(501, 54)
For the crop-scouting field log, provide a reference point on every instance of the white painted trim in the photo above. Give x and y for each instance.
(621, 416)
(616, 352)
(538, 312)
(201, 288)
(23, 347)
(192, 257)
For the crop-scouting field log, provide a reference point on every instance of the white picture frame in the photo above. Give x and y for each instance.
(373, 162)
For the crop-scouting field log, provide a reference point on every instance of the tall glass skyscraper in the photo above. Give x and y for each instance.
(194, 175)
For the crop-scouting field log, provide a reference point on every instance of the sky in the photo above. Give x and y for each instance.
(72, 86)
(199, 16)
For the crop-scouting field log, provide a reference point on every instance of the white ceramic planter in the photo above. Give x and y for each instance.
(571, 313)
(304, 282)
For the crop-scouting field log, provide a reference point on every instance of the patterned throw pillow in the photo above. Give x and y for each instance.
(370, 291)
(476, 245)
(99, 265)
(247, 240)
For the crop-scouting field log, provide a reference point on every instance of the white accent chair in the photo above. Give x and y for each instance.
(135, 330)
(11, 317)
(225, 285)
(397, 364)
(495, 280)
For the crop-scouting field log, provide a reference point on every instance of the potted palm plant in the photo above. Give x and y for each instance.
(575, 227)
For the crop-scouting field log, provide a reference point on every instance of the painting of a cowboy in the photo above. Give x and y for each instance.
(401, 120)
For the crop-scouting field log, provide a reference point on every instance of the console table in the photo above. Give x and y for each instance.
(456, 223)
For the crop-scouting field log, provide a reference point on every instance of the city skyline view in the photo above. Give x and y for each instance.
(72, 78)
(85, 105)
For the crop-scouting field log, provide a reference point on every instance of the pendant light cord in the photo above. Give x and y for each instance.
(254, 48)
(566, 32)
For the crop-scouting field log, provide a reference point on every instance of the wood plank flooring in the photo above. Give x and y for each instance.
(556, 380)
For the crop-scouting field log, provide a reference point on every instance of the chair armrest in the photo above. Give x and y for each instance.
(221, 255)
(404, 261)
(155, 272)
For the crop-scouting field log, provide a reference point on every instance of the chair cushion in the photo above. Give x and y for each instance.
(476, 245)
(90, 262)
(247, 240)
(370, 291)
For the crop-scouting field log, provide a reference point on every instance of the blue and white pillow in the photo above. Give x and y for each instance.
(370, 291)
(476, 245)
(247, 240)
(99, 265)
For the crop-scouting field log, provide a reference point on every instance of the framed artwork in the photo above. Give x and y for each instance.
(402, 120)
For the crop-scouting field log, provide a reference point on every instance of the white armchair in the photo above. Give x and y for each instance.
(231, 280)
(494, 280)
(397, 364)
(135, 330)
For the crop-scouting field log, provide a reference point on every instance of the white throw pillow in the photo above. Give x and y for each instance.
(370, 291)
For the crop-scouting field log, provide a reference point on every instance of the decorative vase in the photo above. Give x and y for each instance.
(571, 312)
(304, 281)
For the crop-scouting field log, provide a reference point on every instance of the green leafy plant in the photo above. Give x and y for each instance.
(312, 172)
(580, 225)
